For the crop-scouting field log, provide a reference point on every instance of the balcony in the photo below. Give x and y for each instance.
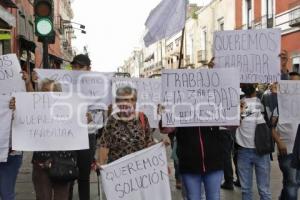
(295, 18)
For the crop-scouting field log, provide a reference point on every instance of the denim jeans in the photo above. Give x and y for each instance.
(249, 160)
(212, 184)
(291, 178)
(8, 177)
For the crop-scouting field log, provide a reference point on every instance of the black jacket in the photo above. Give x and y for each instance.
(296, 151)
(199, 149)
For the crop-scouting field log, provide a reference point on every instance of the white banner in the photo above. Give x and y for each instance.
(49, 122)
(94, 87)
(5, 126)
(10, 75)
(149, 95)
(254, 52)
(201, 97)
(139, 176)
(165, 20)
(289, 101)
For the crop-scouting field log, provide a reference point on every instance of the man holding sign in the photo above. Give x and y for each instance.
(253, 52)
(284, 133)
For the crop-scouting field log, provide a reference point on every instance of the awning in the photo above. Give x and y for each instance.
(9, 3)
(7, 17)
(5, 36)
(26, 44)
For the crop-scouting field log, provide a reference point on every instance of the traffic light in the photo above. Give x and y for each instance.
(44, 26)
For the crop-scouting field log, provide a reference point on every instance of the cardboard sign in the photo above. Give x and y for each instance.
(149, 95)
(49, 122)
(90, 86)
(289, 101)
(10, 75)
(141, 175)
(254, 52)
(5, 126)
(202, 97)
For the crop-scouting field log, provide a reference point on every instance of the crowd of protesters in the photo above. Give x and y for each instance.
(202, 155)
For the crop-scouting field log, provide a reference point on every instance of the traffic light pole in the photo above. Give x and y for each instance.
(45, 55)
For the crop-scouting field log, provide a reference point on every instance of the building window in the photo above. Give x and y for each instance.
(296, 64)
(178, 41)
(249, 13)
(221, 24)
(296, 68)
(204, 40)
(269, 13)
(22, 24)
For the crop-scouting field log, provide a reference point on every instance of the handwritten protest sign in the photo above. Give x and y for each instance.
(49, 122)
(91, 86)
(254, 52)
(289, 101)
(149, 95)
(10, 75)
(202, 97)
(141, 175)
(5, 124)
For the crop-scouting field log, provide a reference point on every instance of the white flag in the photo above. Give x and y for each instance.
(167, 19)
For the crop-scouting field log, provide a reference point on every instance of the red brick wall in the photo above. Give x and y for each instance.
(290, 43)
(257, 10)
(238, 13)
(284, 5)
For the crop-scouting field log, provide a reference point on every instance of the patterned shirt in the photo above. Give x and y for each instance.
(125, 137)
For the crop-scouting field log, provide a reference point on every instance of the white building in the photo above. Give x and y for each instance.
(154, 59)
(216, 16)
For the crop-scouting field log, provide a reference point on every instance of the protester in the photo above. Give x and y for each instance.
(199, 150)
(284, 57)
(248, 159)
(126, 130)
(228, 144)
(284, 135)
(85, 158)
(45, 187)
(175, 159)
(9, 170)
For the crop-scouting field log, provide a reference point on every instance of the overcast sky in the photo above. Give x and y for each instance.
(114, 28)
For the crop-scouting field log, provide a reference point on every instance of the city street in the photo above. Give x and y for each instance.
(128, 77)
(25, 189)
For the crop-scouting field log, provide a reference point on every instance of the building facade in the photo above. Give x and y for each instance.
(154, 59)
(285, 15)
(216, 16)
(134, 64)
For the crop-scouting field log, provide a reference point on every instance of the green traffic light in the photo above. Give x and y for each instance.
(44, 26)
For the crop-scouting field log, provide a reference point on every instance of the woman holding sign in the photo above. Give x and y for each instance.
(9, 170)
(126, 130)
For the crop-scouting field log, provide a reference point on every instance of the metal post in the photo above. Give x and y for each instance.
(45, 54)
(181, 48)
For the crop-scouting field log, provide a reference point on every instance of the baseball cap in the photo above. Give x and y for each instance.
(82, 60)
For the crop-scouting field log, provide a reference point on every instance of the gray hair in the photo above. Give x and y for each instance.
(126, 91)
(56, 86)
